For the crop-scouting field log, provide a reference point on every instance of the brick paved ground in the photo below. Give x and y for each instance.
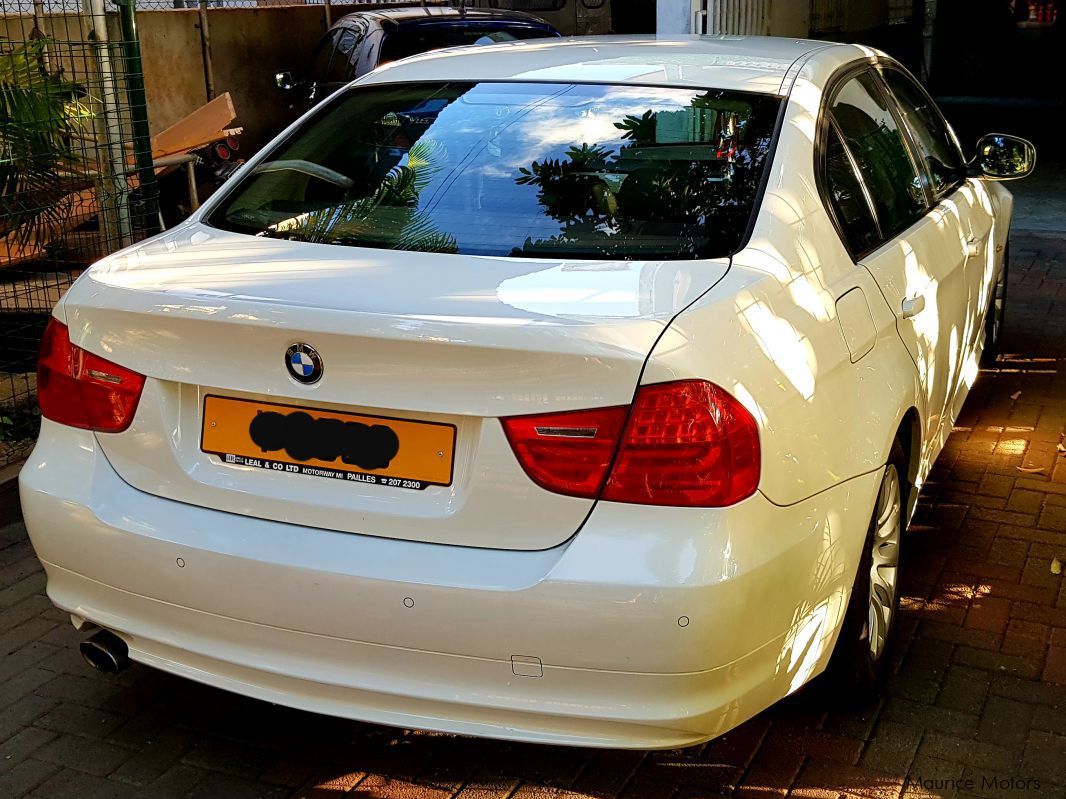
(980, 690)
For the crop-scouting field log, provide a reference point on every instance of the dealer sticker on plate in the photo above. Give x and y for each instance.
(379, 450)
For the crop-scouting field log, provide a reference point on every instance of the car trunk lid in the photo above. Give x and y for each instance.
(444, 342)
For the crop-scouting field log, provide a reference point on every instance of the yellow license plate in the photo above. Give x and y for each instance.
(341, 446)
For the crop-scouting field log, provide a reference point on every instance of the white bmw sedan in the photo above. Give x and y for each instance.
(574, 392)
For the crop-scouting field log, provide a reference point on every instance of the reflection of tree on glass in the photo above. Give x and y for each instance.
(569, 171)
(393, 205)
(660, 183)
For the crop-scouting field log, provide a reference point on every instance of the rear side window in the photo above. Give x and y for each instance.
(318, 66)
(875, 141)
(847, 196)
(931, 133)
(340, 67)
(554, 170)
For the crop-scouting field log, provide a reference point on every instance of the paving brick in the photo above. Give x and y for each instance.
(995, 486)
(21, 659)
(988, 613)
(156, 756)
(1037, 572)
(1024, 501)
(932, 778)
(1049, 718)
(964, 689)
(89, 755)
(68, 784)
(829, 780)
(980, 639)
(1005, 722)
(79, 720)
(231, 757)
(486, 784)
(892, 748)
(771, 774)
(20, 745)
(996, 661)
(213, 786)
(22, 713)
(177, 782)
(90, 689)
(967, 752)
(929, 717)
(22, 683)
(24, 633)
(815, 743)
(24, 776)
(1053, 517)
(1055, 665)
(998, 784)
(609, 771)
(1045, 757)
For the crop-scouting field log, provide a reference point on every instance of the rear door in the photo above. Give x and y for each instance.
(916, 255)
(955, 195)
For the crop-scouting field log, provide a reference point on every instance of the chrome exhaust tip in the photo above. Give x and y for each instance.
(105, 652)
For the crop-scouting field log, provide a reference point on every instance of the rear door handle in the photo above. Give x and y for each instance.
(973, 247)
(912, 306)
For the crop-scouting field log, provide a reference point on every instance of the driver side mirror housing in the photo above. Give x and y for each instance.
(1001, 156)
(286, 80)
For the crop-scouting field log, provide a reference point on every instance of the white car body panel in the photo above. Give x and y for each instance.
(494, 607)
(485, 338)
(281, 612)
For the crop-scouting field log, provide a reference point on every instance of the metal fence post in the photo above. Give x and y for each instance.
(205, 51)
(138, 103)
(113, 197)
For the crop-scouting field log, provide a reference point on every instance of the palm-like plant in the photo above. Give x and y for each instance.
(391, 214)
(39, 119)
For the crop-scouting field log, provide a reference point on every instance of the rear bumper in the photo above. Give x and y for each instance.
(651, 628)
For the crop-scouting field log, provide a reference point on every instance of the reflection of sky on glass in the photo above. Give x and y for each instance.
(566, 292)
(484, 138)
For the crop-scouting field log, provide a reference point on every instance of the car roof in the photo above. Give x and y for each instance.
(415, 15)
(742, 63)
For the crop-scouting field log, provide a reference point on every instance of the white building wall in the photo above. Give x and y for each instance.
(742, 17)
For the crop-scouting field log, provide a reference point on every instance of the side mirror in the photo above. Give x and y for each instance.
(1004, 157)
(286, 81)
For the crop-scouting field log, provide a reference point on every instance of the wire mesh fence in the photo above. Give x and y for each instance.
(76, 177)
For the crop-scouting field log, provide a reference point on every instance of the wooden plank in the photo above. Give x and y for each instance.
(203, 126)
(75, 209)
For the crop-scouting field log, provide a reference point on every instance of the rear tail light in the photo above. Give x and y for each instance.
(687, 443)
(79, 389)
(567, 453)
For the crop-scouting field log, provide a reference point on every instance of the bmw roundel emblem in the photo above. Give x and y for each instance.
(304, 363)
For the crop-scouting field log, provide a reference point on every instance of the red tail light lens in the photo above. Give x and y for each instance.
(567, 453)
(79, 389)
(687, 443)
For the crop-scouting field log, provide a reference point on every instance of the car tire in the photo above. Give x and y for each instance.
(862, 659)
(995, 319)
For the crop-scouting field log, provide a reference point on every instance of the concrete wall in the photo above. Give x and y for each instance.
(248, 45)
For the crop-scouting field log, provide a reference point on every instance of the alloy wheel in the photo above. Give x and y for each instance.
(884, 567)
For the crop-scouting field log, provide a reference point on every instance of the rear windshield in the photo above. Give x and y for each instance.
(417, 39)
(516, 169)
